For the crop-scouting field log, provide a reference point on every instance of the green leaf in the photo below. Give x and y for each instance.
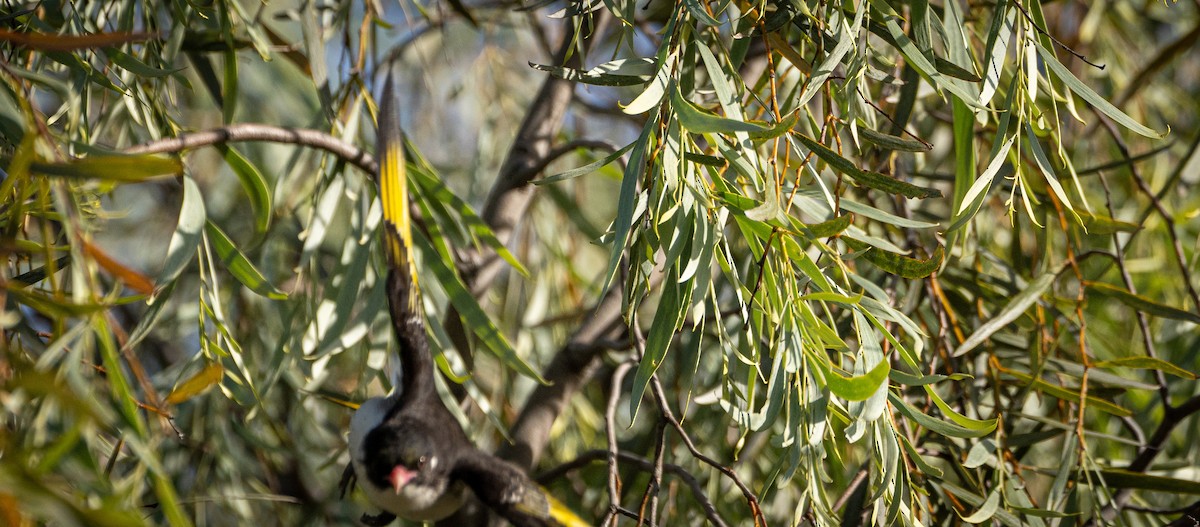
(626, 202)
(254, 183)
(1015, 308)
(954, 70)
(919, 460)
(873, 180)
(846, 38)
(115, 168)
(653, 93)
(229, 97)
(585, 169)
(135, 66)
(699, 121)
(933, 424)
(964, 151)
(1146, 363)
(975, 195)
(978, 425)
(922, 64)
(238, 265)
(437, 192)
(1141, 303)
(1037, 383)
(777, 129)
(898, 264)
(667, 319)
(891, 142)
(831, 227)
(858, 388)
(697, 11)
(1099, 224)
(987, 510)
(1005, 517)
(1124, 479)
(1099, 103)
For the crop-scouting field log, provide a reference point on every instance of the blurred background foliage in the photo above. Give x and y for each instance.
(885, 262)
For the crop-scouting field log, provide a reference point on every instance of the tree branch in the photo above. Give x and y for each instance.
(244, 132)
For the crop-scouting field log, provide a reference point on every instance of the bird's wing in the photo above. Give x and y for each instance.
(404, 295)
(511, 494)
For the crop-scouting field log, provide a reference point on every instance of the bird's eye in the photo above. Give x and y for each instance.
(421, 461)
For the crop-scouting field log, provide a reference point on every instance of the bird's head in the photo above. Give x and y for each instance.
(403, 454)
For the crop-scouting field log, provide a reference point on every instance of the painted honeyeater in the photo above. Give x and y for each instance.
(410, 456)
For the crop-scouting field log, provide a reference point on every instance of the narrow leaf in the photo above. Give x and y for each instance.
(238, 265)
(585, 169)
(1141, 303)
(255, 185)
(1146, 363)
(892, 142)
(1100, 103)
(933, 424)
(473, 315)
(182, 248)
(858, 388)
(1015, 308)
(699, 121)
(898, 264)
(873, 180)
(116, 168)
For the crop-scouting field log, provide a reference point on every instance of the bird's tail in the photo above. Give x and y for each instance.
(393, 192)
(415, 367)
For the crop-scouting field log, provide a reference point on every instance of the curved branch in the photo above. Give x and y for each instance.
(243, 132)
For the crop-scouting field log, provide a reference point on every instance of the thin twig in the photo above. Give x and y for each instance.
(1156, 202)
(660, 397)
(1056, 42)
(1143, 321)
(646, 465)
(610, 431)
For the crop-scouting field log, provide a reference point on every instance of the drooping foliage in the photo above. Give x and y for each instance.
(867, 261)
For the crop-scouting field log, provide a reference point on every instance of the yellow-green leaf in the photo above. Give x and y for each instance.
(117, 168)
(197, 384)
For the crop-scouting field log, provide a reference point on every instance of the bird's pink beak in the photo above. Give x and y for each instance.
(400, 477)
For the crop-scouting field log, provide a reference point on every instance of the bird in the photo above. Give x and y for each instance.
(410, 456)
